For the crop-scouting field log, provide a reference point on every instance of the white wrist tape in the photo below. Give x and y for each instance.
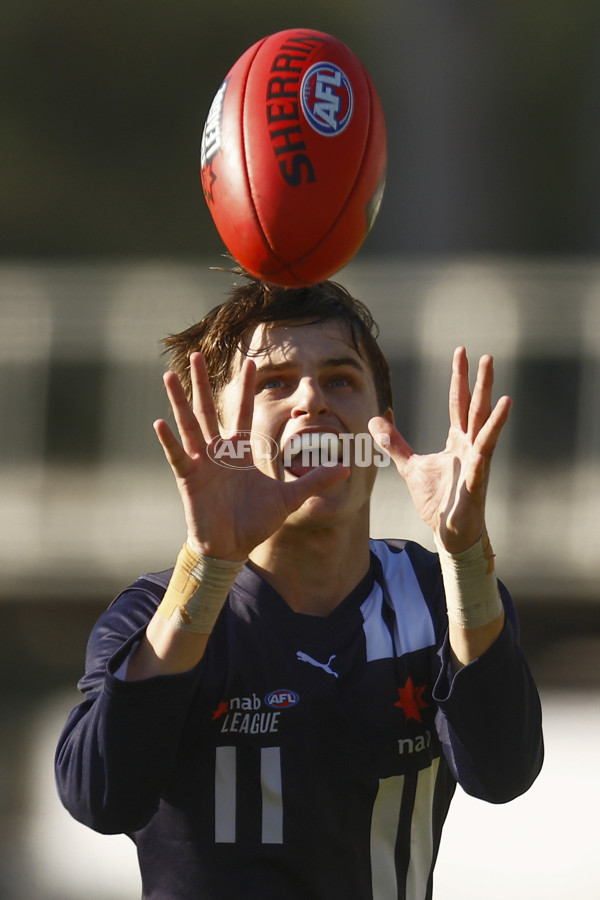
(470, 584)
(197, 590)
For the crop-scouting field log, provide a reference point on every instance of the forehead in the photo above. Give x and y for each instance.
(287, 341)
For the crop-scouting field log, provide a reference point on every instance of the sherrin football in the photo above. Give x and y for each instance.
(293, 157)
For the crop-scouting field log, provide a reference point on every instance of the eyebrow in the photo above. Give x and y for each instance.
(334, 362)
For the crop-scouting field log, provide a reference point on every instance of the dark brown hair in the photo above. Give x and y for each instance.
(226, 328)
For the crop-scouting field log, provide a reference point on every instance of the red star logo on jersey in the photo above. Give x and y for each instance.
(411, 700)
(221, 710)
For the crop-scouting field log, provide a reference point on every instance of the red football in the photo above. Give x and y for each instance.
(293, 157)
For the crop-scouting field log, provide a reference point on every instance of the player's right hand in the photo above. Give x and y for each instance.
(230, 509)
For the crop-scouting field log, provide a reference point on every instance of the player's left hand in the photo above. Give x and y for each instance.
(449, 488)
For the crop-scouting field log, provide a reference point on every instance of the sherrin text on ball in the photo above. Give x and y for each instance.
(293, 157)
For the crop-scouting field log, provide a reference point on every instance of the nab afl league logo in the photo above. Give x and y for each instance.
(326, 98)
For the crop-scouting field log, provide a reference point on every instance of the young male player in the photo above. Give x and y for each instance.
(285, 714)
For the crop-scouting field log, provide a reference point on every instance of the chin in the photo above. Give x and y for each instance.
(327, 510)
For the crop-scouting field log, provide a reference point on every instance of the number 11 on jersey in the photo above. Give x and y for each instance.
(226, 794)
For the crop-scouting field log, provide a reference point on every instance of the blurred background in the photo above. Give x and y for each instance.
(488, 236)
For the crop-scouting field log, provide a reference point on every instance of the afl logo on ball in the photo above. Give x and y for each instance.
(326, 98)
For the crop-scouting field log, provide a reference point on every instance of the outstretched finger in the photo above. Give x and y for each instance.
(203, 401)
(187, 423)
(480, 406)
(246, 384)
(174, 452)
(387, 436)
(487, 438)
(459, 395)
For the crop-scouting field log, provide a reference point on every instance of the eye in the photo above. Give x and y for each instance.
(340, 380)
(273, 383)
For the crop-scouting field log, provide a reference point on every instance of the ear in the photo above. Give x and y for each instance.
(389, 415)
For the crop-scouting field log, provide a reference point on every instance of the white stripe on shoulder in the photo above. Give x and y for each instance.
(413, 625)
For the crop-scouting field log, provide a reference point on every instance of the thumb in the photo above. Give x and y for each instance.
(389, 438)
(312, 483)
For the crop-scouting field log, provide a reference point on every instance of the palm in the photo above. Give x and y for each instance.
(230, 510)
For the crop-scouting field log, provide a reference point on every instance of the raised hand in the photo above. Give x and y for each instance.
(230, 509)
(449, 488)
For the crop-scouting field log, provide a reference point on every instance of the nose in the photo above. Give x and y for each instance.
(308, 399)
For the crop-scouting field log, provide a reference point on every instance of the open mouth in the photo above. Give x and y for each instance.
(305, 451)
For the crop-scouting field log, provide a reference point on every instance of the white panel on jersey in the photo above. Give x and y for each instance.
(225, 790)
(413, 629)
(421, 834)
(384, 831)
(272, 804)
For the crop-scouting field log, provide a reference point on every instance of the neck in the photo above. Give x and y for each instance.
(313, 572)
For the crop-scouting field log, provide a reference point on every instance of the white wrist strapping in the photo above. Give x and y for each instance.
(197, 590)
(470, 584)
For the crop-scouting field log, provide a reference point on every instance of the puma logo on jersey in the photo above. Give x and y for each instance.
(304, 657)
